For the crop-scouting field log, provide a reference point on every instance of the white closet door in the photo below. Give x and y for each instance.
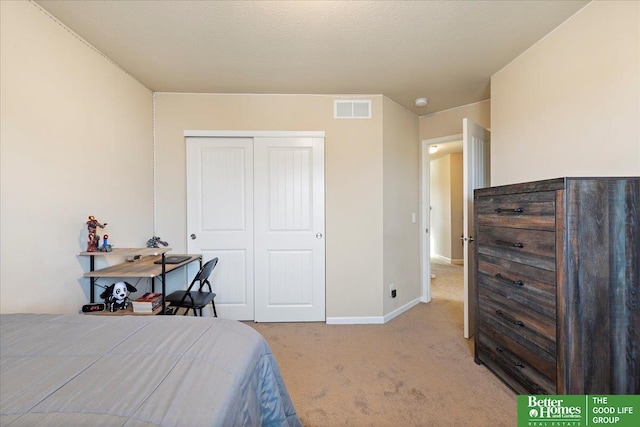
(289, 229)
(220, 218)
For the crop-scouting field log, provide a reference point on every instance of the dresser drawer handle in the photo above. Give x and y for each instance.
(518, 364)
(515, 322)
(505, 243)
(509, 281)
(516, 210)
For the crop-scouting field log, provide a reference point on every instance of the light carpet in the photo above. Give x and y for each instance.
(415, 370)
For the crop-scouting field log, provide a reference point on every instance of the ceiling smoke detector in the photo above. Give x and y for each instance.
(421, 102)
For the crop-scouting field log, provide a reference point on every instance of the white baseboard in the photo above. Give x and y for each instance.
(398, 311)
(355, 320)
(379, 320)
(454, 261)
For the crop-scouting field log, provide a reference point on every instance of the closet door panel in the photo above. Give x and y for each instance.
(220, 218)
(289, 229)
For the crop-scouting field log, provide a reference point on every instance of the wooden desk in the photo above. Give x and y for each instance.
(143, 267)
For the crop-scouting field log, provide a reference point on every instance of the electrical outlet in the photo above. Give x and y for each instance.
(392, 290)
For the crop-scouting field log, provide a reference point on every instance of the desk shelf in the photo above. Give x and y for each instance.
(127, 312)
(128, 252)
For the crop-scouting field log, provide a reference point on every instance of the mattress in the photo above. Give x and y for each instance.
(81, 370)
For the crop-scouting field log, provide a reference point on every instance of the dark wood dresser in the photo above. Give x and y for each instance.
(558, 285)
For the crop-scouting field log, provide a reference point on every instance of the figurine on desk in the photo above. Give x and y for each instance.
(155, 242)
(106, 247)
(93, 240)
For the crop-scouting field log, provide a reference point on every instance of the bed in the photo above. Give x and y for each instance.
(83, 370)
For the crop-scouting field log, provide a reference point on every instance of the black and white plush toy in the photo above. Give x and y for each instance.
(116, 296)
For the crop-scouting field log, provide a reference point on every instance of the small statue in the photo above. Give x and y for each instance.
(106, 247)
(155, 242)
(94, 240)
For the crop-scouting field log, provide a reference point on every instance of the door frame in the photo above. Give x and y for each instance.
(254, 133)
(425, 231)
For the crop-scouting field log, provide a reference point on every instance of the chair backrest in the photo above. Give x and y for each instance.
(204, 272)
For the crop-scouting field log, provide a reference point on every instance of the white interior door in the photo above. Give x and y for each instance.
(425, 224)
(476, 174)
(289, 229)
(220, 218)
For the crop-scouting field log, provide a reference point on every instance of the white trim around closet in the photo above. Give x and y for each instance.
(253, 134)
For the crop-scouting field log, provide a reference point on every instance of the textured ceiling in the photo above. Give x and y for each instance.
(443, 50)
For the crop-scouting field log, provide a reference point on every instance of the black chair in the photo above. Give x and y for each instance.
(195, 300)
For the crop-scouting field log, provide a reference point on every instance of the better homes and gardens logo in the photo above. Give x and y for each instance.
(578, 410)
(554, 410)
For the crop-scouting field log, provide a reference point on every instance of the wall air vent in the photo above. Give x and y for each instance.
(352, 109)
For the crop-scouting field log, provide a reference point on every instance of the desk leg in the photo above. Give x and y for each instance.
(92, 280)
(164, 284)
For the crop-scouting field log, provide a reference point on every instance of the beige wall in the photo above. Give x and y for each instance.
(440, 204)
(456, 207)
(353, 177)
(401, 261)
(75, 140)
(449, 122)
(570, 105)
(446, 207)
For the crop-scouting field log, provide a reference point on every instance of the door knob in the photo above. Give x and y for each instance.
(193, 237)
(318, 235)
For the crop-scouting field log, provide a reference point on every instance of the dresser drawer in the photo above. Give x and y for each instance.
(530, 247)
(528, 286)
(526, 210)
(505, 358)
(523, 325)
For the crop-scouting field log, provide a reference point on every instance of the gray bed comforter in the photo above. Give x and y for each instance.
(82, 370)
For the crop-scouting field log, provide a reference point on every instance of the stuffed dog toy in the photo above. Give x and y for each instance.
(116, 296)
